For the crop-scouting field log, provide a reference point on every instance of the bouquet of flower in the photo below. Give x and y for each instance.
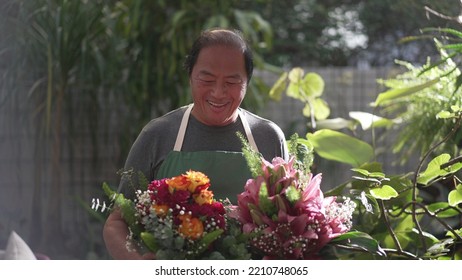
(285, 211)
(178, 218)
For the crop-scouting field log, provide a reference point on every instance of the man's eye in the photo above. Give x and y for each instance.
(207, 81)
(234, 81)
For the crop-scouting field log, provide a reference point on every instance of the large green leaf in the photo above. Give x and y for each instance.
(434, 170)
(401, 92)
(337, 146)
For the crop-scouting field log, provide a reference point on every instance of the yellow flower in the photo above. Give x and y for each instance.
(190, 227)
(196, 179)
(204, 197)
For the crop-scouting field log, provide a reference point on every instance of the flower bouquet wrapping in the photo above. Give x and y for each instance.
(285, 212)
(178, 218)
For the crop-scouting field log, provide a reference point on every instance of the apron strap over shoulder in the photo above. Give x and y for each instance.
(184, 124)
(248, 132)
(182, 130)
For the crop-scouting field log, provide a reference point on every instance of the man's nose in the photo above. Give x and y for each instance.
(220, 89)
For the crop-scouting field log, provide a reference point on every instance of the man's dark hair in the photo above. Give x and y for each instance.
(225, 37)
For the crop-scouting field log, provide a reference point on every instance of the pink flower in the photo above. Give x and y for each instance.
(288, 212)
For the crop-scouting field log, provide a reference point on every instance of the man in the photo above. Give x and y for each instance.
(203, 135)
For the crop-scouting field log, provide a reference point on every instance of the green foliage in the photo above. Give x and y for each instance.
(100, 70)
(455, 196)
(264, 203)
(396, 217)
(126, 207)
(306, 88)
(252, 157)
(423, 104)
(334, 145)
(436, 170)
(303, 151)
(384, 192)
(353, 245)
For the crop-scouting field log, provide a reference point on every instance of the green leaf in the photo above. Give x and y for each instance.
(362, 240)
(367, 173)
(455, 196)
(294, 89)
(204, 243)
(450, 31)
(142, 181)
(444, 115)
(403, 231)
(340, 147)
(126, 206)
(296, 75)
(108, 191)
(361, 171)
(321, 109)
(335, 124)
(442, 210)
(279, 87)
(402, 92)
(367, 120)
(313, 85)
(385, 192)
(454, 47)
(434, 170)
(149, 240)
(211, 237)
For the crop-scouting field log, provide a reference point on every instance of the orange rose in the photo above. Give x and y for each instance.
(160, 209)
(196, 179)
(178, 183)
(205, 196)
(190, 227)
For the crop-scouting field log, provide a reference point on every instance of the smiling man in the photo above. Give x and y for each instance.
(202, 136)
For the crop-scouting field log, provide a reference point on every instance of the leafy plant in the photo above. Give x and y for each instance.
(79, 67)
(397, 217)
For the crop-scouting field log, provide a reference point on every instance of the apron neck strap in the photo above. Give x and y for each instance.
(182, 130)
(184, 125)
(247, 130)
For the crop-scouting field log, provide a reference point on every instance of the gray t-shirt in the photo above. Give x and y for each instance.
(158, 137)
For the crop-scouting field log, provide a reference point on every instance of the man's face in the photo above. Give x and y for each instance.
(218, 84)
